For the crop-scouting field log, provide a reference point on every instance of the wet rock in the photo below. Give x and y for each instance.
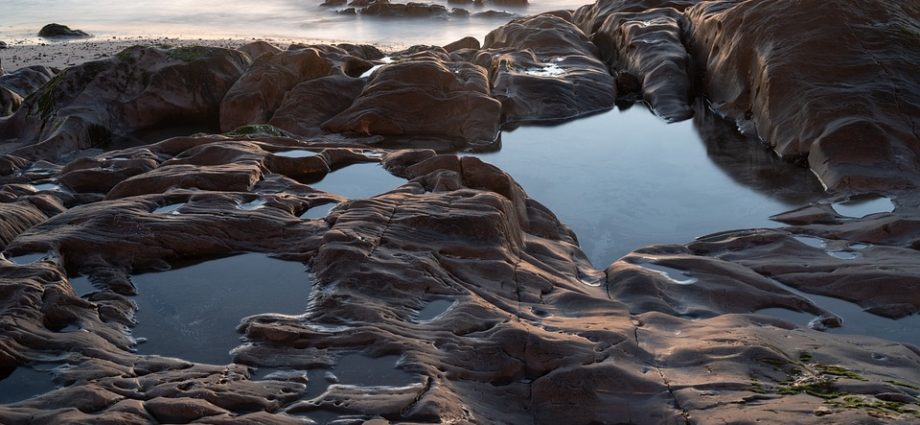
(384, 8)
(650, 46)
(334, 3)
(258, 93)
(463, 43)
(142, 87)
(311, 103)
(590, 17)
(760, 57)
(256, 49)
(25, 81)
(3, 45)
(17, 218)
(9, 101)
(511, 3)
(17, 85)
(60, 31)
(181, 410)
(425, 97)
(493, 14)
(543, 68)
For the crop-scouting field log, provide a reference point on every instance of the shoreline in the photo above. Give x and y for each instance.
(23, 53)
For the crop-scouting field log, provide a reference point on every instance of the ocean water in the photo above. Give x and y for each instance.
(287, 19)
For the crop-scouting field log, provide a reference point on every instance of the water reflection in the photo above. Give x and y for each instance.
(192, 312)
(624, 179)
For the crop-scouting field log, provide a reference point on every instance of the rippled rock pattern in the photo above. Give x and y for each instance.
(777, 67)
(91, 104)
(528, 331)
(544, 68)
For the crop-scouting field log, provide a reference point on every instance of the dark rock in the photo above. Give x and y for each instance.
(856, 130)
(650, 46)
(61, 31)
(311, 103)
(142, 87)
(258, 93)
(424, 97)
(26, 81)
(493, 14)
(509, 3)
(463, 43)
(384, 8)
(544, 69)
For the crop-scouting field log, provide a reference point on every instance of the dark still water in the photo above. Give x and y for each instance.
(624, 179)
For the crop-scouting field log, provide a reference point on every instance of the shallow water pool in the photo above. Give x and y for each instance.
(625, 179)
(192, 312)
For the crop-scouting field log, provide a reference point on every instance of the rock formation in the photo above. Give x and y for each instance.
(532, 333)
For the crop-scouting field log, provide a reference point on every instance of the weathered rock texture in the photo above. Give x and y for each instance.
(543, 68)
(831, 81)
(91, 104)
(428, 96)
(535, 334)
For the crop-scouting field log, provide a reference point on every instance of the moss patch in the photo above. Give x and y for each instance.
(189, 53)
(880, 407)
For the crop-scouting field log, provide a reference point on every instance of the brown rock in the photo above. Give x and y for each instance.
(856, 64)
(544, 69)
(259, 92)
(142, 87)
(424, 98)
(311, 103)
(181, 410)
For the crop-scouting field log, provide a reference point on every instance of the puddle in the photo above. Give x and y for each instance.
(300, 153)
(812, 241)
(547, 70)
(25, 383)
(82, 286)
(863, 207)
(192, 312)
(351, 369)
(625, 179)
(848, 253)
(47, 187)
(433, 310)
(28, 258)
(855, 319)
(169, 209)
(844, 255)
(252, 205)
(319, 211)
(676, 276)
(359, 181)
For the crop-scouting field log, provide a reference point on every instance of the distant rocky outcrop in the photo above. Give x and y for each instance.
(61, 31)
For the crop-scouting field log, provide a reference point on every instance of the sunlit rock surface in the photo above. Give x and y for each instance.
(526, 330)
(834, 82)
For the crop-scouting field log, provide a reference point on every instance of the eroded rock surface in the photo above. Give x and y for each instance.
(544, 68)
(777, 67)
(532, 332)
(91, 104)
